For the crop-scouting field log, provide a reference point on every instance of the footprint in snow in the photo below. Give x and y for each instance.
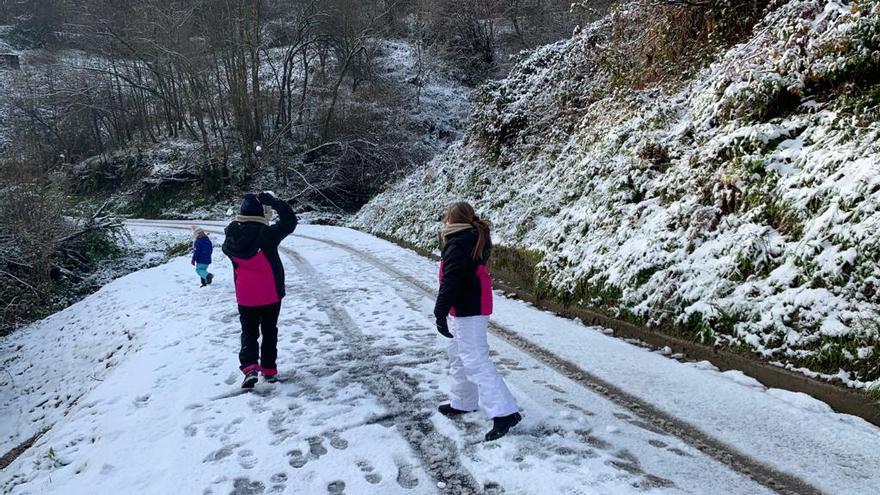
(337, 442)
(297, 459)
(587, 437)
(372, 477)
(492, 488)
(231, 428)
(579, 409)
(657, 443)
(316, 447)
(625, 461)
(244, 486)
(336, 487)
(221, 453)
(679, 452)
(247, 459)
(406, 478)
(555, 388)
(279, 483)
(650, 482)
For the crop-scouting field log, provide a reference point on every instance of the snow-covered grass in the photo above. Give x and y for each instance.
(740, 207)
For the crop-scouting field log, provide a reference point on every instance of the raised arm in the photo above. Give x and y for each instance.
(287, 220)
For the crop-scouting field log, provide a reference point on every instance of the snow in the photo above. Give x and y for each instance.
(761, 222)
(150, 369)
(431, 95)
(7, 79)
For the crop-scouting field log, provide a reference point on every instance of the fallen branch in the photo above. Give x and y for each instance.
(308, 184)
(22, 282)
(113, 224)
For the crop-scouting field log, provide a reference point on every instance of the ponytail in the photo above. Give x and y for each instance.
(483, 238)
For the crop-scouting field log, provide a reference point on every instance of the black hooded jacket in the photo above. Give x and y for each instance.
(465, 285)
(244, 240)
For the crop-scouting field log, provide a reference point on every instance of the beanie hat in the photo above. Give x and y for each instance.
(251, 206)
(198, 231)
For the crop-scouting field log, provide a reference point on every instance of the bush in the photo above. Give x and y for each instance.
(658, 41)
(47, 251)
(31, 221)
(179, 249)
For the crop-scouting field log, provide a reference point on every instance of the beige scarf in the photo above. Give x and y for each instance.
(454, 228)
(265, 219)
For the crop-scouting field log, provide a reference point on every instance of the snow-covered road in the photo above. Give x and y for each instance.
(138, 385)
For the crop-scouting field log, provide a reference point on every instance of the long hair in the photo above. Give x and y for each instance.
(462, 212)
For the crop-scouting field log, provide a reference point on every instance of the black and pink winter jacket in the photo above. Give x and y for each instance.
(465, 285)
(253, 249)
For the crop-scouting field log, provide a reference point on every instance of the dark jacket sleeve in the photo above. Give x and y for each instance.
(285, 225)
(454, 271)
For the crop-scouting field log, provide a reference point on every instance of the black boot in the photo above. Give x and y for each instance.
(503, 424)
(250, 379)
(209, 278)
(449, 411)
(204, 282)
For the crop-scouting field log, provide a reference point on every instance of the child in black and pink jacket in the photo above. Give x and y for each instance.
(252, 245)
(465, 295)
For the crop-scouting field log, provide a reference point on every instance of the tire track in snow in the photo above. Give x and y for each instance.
(438, 454)
(768, 476)
(763, 474)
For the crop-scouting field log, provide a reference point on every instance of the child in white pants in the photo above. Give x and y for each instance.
(466, 295)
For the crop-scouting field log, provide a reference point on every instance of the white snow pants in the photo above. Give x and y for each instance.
(475, 381)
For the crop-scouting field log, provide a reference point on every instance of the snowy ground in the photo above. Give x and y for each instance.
(138, 384)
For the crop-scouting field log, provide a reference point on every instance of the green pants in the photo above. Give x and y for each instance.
(202, 270)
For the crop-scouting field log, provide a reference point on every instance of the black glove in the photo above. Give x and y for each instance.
(266, 198)
(443, 327)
